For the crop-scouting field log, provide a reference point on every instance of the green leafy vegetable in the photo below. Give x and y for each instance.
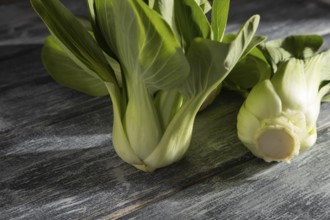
(219, 18)
(156, 59)
(297, 46)
(66, 72)
(83, 49)
(186, 18)
(278, 118)
(250, 70)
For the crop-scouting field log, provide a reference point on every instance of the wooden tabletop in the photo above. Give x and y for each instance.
(57, 159)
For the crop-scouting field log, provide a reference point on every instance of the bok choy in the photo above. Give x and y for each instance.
(158, 60)
(278, 118)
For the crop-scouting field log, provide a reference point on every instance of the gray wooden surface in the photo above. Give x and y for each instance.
(57, 162)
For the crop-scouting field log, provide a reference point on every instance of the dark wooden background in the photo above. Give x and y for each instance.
(57, 161)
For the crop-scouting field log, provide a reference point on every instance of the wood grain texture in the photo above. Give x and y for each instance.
(57, 161)
(284, 18)
(253, 189)
(21, 25)
(280, 19)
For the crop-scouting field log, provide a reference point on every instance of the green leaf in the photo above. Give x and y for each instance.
(296, 46)
(204, 5)
(257, 40)
(166, 9)
(291, 86)
(244, 41)
(250, 70)
(86, 23)
(73, 37)
(325, 93)
(96, 30)
(228, 38)
(141, 115)
(176, 138)
(220, 10)
(110, 56)
(211, 61)
(325, 65)
(256, 52)
(119, 137)
(299, 46)
(150, 3)
(143, 42)
(317, 71)
(260, 94)
(186, 18)
(191, 22)
(66, 72)
(207, 61)
(91, 8)
(167, 103)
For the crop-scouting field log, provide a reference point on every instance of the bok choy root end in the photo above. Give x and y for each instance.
(278, 118)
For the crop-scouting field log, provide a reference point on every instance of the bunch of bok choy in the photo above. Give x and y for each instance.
(158, 60)
(278, 117)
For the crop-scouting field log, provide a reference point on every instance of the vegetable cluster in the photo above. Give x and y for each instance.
(161, 61)
(158, 60)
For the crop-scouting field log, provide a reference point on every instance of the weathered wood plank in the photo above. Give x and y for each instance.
(55, 139)
(19, 24)
(73, 160)
(56, 159)
(55, 163)
(30, 97)
(256, 190)
(280, 18)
